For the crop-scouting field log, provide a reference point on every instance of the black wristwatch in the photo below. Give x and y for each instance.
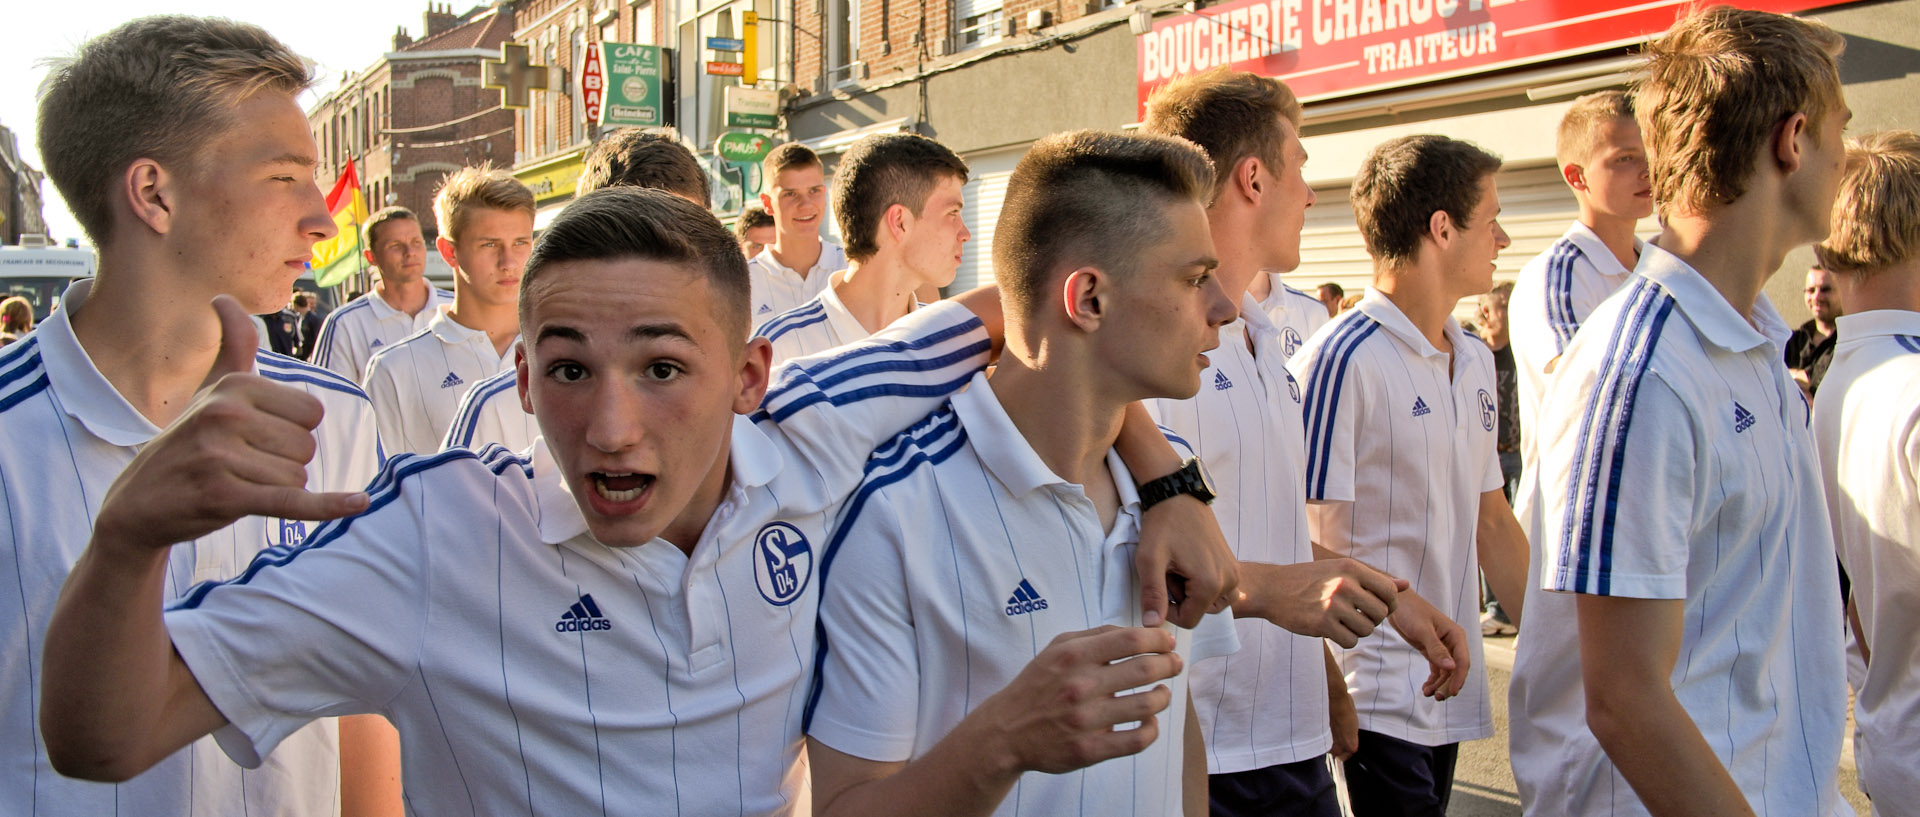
(1191, 479)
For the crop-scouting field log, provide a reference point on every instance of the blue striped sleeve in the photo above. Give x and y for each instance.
(1329, 408)
(1561, 318)
(474, 405)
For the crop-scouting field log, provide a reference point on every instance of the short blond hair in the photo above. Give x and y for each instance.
(1581, 127)
(477, 188)
(1229, 114)
(1715, 86)
(1876, 219)
(158, 88)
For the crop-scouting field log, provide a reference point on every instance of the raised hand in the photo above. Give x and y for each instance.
(1059, 713)
(240, 449)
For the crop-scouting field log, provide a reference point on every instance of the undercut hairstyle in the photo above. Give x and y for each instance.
(881, 171)
(380, 217)
(1714, 88)
(1876, 218)
(1090, 199)
(638, 158)
(647, 224)
(158, 88)
(1404, 181)
(477, 188)
(790, 156)
(1230, 114)
(1582, 126)
(752, 217)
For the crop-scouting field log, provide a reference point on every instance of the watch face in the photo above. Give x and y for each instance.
(1205, 479)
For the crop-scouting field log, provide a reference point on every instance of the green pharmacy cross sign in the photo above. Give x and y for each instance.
(515, 75)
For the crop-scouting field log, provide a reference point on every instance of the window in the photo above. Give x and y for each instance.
(843, 34)
(643, 23)
(976, 23)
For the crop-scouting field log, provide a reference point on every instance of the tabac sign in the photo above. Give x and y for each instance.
(1329, 48)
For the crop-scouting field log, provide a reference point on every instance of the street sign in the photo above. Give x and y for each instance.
(633, 86)
(593, 82)
(750, 47)
(726, 44)
(743, 148)
(725, 69)
(515, 75)
(752, 107)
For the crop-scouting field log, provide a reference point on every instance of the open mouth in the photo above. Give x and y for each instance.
(620, 488)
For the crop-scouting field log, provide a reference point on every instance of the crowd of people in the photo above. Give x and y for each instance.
(1139, 528)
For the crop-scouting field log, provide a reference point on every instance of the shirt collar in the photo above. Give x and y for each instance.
(754, 457)
(1259, 325)
(844, 323)
(448, 330)
(1855, 327)
(83, 392)
(1597, 253)
(1007, 455)
(1376, 305)
(1715, 319)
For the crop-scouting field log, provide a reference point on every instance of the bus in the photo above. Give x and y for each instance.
(41, 273)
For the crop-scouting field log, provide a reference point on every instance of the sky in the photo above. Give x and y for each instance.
(338, 35)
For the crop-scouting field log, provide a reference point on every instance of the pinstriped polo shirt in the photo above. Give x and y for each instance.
(416, 384)
(1266, 704)
(1678, 464)
(777, 289)
(1866, 423)
(1296, 314)
(1552, 297)
(959, 558)
(812, 327)
(531, 669)
(68, 435)
(1403, 449)
(490, 413)
(351, 334)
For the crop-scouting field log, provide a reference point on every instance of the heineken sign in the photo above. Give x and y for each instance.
(743, 148)
(635, 75)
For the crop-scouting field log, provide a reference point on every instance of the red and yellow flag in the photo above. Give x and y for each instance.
(337, 257)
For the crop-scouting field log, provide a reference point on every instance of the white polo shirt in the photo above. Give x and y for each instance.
(1297, 314)
(351, 334)
(961, 557)
(530, 668)
(821, 323)
(1866, 424)
(491, 413)
(1676, 464)
(778, 288)
(69, 434)
(1401, 451)
(1266, 704)
(1554, 294)
(416, 384)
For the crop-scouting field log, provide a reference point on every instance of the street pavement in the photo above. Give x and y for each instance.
(1483, 782)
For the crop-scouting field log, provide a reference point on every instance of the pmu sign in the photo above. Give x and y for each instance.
(1330, 48)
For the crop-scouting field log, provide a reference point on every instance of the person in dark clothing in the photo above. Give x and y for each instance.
(1810, 348)
(308, 328)
(1506, 378)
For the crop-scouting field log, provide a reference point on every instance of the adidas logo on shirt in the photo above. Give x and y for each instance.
(1420, 407)
(1025, 600)
(375, 344)
(764, 309)
(1220, 381)
(1742, 418)
(451, 381)
(583, 616)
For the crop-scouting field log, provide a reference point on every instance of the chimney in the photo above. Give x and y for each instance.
(440, 18)
(401, 39)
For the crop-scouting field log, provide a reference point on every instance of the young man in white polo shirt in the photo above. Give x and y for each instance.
(1604, 161)
(1296, 314)
(1265, 710)
(624, 617)
(487, 233)
(132, 128)
(1688, 584)
(490, 411)
(401, 303)
(1004, 523)
(794, 268)
(1866, 424)
(1401, 467)
(897, 197)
